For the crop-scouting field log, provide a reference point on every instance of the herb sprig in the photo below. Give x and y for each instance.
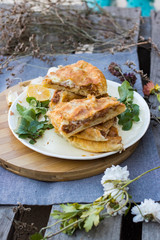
(131, 114)
(86, 216)
(30, 127)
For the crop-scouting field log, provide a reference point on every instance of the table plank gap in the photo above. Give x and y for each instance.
(130, 230)
(27, 222)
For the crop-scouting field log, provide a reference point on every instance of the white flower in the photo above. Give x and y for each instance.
(119, 198)
(117, 195)
(114, 173)
(148, 210)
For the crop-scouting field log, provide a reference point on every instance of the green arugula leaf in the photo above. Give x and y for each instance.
(127, 125)
(135, 110)
(45, 103)
(29, 126)
(135, 118)
(23, 127)
(131, 114)
(32, 141)
(21, 109)
(35, 126)
(125, 92)
(28, 114)
(32, 101)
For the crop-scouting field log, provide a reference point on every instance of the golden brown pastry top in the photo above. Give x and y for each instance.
(80, 109)
(80, 74)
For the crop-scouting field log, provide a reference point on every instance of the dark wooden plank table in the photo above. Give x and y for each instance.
(18, 226)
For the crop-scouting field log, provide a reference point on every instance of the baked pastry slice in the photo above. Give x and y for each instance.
(62, 96)
(81, 78)
(112, 143)
(65, 96)
(99, 132)
(79, 114)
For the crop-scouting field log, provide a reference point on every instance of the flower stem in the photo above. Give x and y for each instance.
(135, 179)
(49, 236)
(44, 228)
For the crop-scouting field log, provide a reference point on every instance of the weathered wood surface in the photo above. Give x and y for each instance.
(108, 229)
(155, 72)
(145, 28)
(127, 19)
(150, 231)
(155, 57)
(124, 230)
(6, 219)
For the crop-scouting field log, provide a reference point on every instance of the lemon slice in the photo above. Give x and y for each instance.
(39, 92)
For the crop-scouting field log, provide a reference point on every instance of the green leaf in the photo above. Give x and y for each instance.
(127, 210)
(29, 126)
(48, 126)
(63, 215)
(29, 115)
(32, 141)
(35, 126)
(158, 97)
(69, 207)
(20, 109)
(135, 108)
(125, 92)
(41, 110)
(32, 101)
(91, 220)
(37, 236)
(127, 125)
(29, 99)
(135, 118)
(45, 103)
(23, 136)
(131, 114)
(125, 117)
(23, 127)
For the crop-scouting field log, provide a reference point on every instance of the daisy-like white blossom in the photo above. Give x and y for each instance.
(149, 210)
(120, 174)
(114, 173)
(120, 201)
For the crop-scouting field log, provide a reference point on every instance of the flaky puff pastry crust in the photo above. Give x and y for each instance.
(80, 78)
(62, 96)
(65, 96)
(113, 143)
(99, 132)
(79, 114)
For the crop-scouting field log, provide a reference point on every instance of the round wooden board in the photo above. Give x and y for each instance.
(17, 158)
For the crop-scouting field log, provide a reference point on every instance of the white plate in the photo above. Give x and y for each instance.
(55, 146)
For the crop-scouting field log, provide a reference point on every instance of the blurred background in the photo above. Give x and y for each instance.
(145, 5)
